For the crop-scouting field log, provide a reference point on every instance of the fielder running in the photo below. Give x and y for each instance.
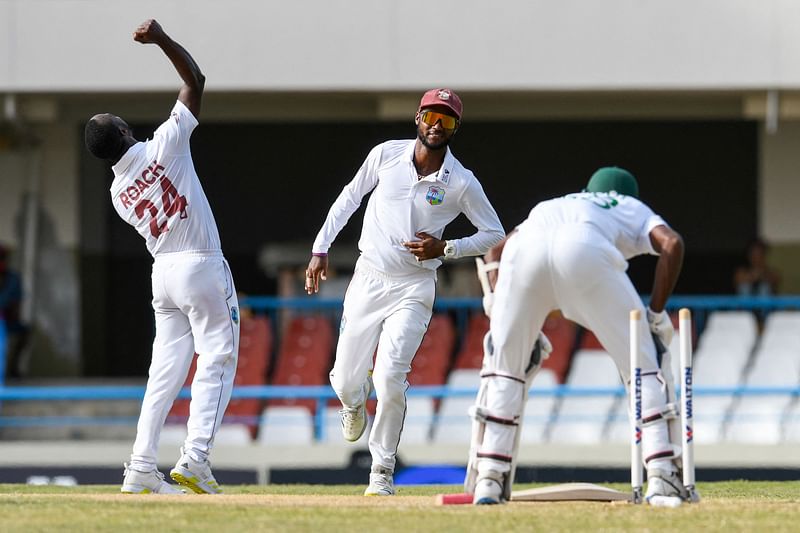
(571, 254)
(418, 187)
(157, 191)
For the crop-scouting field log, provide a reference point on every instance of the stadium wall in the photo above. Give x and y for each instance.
(475, 45)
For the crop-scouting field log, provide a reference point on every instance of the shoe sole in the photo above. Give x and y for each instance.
(123, 490)
(487, 501)
(191, 483)
(144, 490)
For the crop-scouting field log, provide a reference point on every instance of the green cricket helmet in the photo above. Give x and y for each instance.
(607, 179)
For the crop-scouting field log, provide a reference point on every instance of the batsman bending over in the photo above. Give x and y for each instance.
(571, 254)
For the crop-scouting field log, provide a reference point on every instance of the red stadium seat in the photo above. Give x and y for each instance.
(559, 330)
(432, 360)
(589, 341)
(304, 357)
(561, 333)
(471, 353)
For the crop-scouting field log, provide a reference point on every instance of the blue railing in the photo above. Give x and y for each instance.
(2, 352)
(322, 394)
(699, 302)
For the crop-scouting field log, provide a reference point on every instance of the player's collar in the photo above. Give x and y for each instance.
(447, 167)
(127, 158)
(445, 171)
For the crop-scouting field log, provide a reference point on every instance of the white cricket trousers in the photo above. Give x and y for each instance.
(196, 310)
(574, 269)
(392, 313)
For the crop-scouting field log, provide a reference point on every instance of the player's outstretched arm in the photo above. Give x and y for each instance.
(191, 92)
(669, 245)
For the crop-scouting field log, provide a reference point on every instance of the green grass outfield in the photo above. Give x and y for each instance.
(728, 506)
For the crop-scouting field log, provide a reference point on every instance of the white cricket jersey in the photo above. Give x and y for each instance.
(623, 221)
(156, 190)
(402, 205)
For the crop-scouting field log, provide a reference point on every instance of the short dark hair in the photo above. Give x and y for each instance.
(103, 138)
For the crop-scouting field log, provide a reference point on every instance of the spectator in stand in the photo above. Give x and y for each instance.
(10, 301)
(756, 277)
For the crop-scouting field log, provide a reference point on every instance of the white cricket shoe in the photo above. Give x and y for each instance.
(195, 475)
(354, 419)
(664, 483)
(488, 490)
(381, 482)
(354, 422)
(136, 482)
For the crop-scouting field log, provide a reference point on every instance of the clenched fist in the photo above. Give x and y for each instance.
(149, 31)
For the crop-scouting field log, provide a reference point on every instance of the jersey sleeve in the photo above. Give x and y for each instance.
(476, 207)
(175, 132)
(348, 201)
(647, 221)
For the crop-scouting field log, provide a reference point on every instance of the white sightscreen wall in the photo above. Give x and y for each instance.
(324, 45)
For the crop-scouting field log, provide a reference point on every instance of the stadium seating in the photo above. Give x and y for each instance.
(558, 329)
(720, 360)
(759, 419)
(562, 333)
(582, 419)
(233, 435)
(471, 353)
(539, 410)
(304, 357)
(453, 424)
(419, 420)
(286, 424)
(172, 436)
(432, 360)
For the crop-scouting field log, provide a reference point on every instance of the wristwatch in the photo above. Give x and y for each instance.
(449, 249)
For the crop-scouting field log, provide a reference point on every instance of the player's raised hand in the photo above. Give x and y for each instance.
(429, 247)
(317, 270)
(149, 31)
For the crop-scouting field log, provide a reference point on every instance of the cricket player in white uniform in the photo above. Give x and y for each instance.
(157, 191)
(418, 187)
(571, 254)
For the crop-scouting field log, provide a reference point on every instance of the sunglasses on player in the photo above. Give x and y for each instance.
(432, 117)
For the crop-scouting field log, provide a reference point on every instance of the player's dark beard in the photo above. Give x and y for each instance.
(440, 146)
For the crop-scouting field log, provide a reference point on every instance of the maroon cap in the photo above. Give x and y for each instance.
(444, 97)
